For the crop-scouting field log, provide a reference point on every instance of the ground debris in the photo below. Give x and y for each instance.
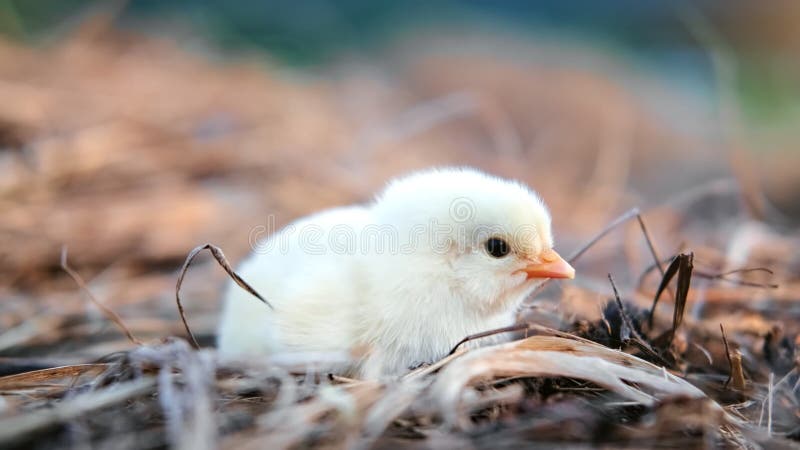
(695, 350)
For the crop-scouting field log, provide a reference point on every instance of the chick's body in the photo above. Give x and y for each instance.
(399, 281)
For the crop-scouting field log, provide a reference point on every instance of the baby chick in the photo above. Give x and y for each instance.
(439, 255)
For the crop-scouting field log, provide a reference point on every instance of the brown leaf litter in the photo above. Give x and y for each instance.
(132, 151)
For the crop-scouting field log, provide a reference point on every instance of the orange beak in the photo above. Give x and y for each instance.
(552, 266)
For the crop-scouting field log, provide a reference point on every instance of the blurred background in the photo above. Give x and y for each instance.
(131, 132)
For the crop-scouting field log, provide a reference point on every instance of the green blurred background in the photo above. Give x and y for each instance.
(761, 40)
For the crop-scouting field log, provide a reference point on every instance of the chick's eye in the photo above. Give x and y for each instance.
(497, 247)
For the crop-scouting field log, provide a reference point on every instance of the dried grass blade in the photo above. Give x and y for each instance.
(535, 356)
(216, 252)
(108, 312)
(669, 274)
(682, 292)
(626, 320)
(727, 355)
(17, 427)
(37, 377)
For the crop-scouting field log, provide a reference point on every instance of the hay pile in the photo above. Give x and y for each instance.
(131, 152)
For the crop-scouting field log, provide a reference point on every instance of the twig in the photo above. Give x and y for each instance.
(650, 244)
(705, 352)
(718, 276)
(651, 268)
(220, 257)
(653, 252)
(516, 327)
(727, 355)
(739, 382)
(472, 337)
(111, 315)
(745, 270)
(628, 215)
(721, 276)
(770, 394)
(627, 319)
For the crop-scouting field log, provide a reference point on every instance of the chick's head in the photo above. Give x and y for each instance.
(488, 238)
